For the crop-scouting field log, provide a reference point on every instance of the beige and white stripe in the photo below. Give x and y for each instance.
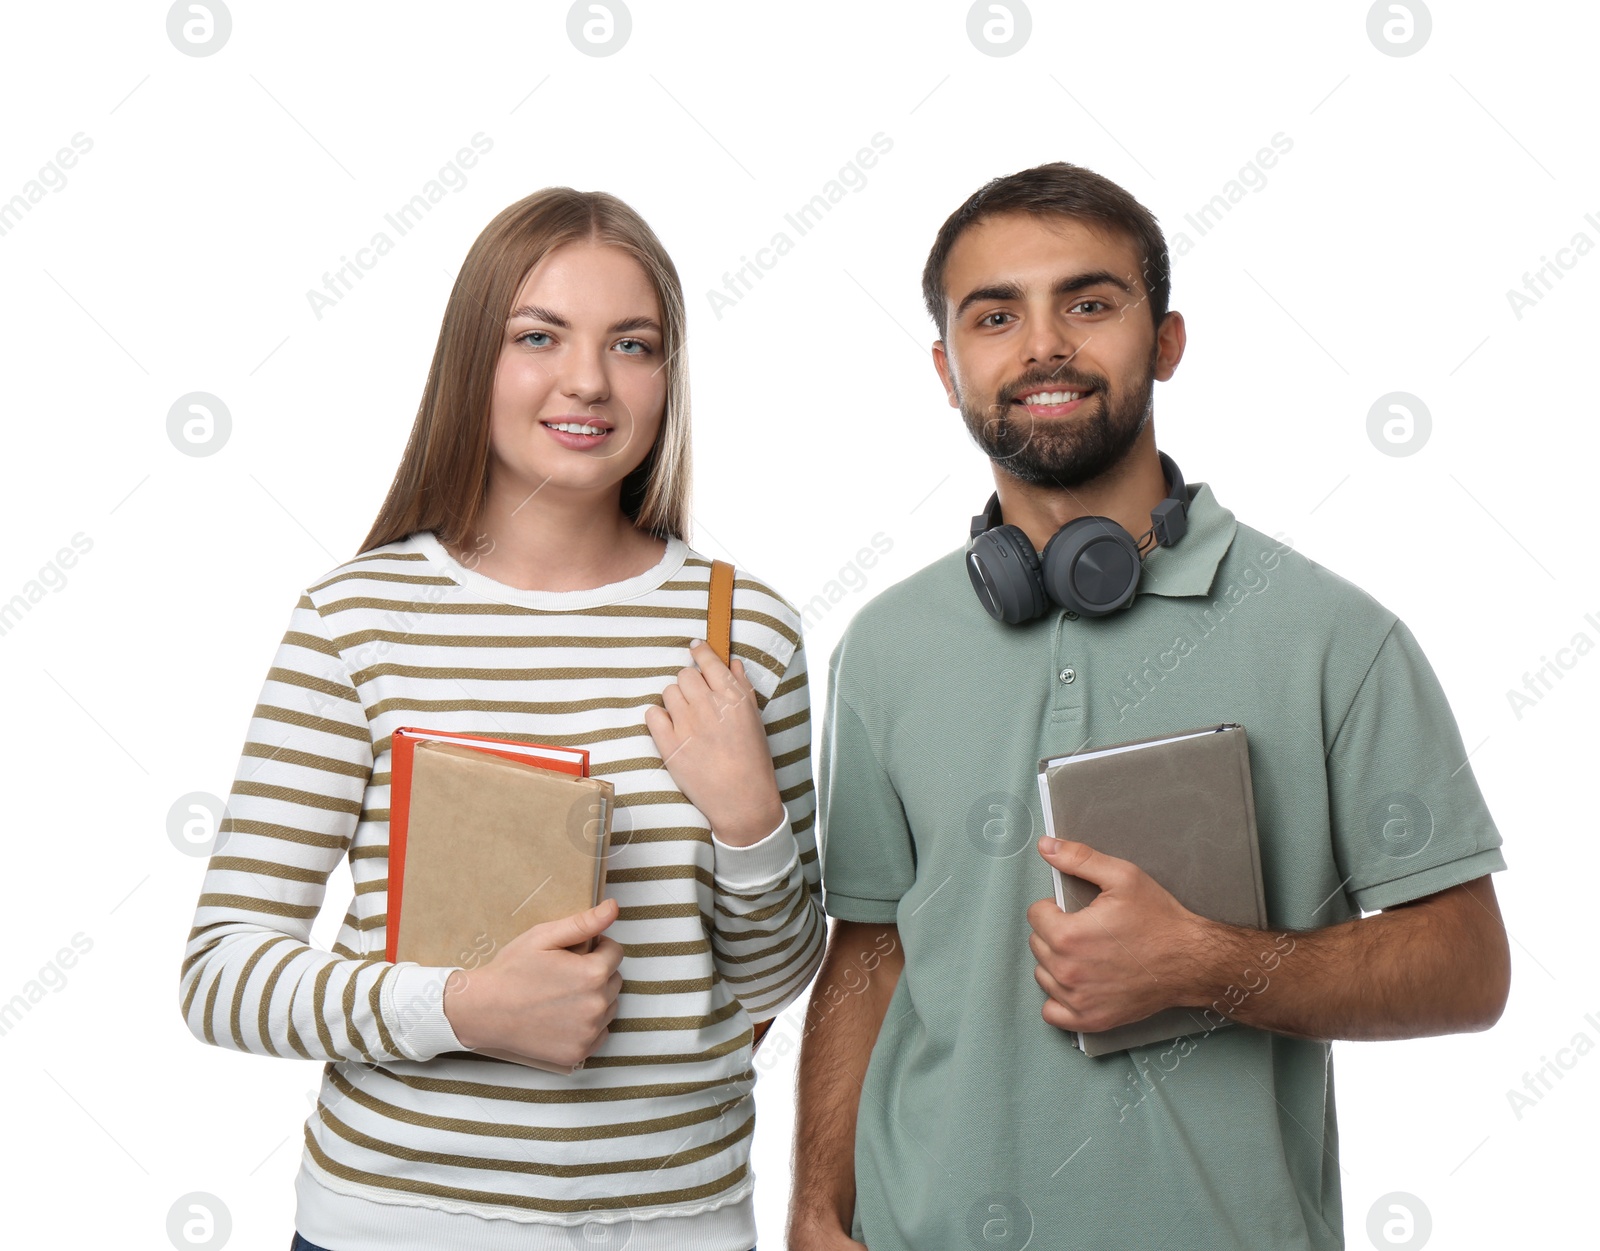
(714, 937)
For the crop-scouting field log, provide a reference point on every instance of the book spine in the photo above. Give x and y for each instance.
(1242, 750)
(401, 745)
(1050, 828)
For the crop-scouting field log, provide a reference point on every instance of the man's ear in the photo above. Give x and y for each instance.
(1170, 340)
(941, 362)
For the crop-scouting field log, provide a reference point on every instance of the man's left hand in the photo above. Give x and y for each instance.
(1132, 952)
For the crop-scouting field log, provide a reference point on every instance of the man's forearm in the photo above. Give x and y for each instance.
(1440, 965)
(848, 1001)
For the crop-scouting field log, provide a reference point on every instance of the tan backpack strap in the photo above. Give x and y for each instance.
(719, 624)
(719, 614)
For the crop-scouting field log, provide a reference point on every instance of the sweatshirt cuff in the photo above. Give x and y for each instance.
(413, 1005)
(761, 865)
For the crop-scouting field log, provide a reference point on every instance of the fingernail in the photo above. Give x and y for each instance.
(693, 643)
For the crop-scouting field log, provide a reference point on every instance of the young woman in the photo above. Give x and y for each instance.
(528, 578)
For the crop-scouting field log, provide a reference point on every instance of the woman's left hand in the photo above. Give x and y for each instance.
(711, 738)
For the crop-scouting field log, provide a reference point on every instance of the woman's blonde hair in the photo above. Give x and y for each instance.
(443, 479)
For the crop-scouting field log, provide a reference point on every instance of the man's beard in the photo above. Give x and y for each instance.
(1061, 451)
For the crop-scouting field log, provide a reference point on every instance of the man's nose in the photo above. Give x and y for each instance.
(1051, 342)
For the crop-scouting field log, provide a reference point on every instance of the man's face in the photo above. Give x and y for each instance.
(1050, 352)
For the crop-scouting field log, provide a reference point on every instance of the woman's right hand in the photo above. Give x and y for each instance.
(537, 998)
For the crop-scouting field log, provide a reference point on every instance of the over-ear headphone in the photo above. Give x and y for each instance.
(1090, 566)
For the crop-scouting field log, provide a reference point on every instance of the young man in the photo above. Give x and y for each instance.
(942, 1102)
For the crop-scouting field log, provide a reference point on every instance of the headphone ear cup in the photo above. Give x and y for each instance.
(1004, 570)
(1091, 566)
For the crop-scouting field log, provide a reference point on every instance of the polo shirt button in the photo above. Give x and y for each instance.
(1068, 674)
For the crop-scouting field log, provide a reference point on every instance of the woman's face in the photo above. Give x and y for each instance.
(582, 350)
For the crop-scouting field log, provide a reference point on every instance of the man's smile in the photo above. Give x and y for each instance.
(1053, 402)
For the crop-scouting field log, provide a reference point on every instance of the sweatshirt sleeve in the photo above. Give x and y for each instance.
(251, 979)
(770, 929)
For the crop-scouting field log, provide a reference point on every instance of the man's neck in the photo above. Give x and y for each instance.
(1125, 493)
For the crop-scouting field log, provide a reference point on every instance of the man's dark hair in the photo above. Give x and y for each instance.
(1065, 191)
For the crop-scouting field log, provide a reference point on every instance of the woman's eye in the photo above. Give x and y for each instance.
(634, 347)
(527, 336)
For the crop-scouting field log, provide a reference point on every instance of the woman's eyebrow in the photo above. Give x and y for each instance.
(537, 312)
(634, 323)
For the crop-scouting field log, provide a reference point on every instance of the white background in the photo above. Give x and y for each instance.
(219, 189)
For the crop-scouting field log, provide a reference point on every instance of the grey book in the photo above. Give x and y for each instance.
(1181, 807)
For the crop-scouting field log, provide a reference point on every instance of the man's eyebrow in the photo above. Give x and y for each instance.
(1012, 291)
(1100, 277)
(995, 291)
(538, 313)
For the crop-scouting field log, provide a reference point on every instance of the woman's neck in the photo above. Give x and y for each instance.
(552, 540)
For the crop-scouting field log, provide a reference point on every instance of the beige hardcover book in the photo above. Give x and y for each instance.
(1180, 806)
(494, 847)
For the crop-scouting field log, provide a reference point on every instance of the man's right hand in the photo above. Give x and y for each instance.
(822, 1239)
(539, 999)
(844, 1013)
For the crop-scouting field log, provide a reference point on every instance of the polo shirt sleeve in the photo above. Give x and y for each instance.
(1408, 817)
(868, 860)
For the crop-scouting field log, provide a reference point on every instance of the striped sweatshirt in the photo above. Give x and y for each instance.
(416, 1142)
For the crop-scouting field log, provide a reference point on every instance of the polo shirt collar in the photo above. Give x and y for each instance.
(1190, 565)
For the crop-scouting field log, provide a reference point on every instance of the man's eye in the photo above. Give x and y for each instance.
(1084, 303)
(988, 319)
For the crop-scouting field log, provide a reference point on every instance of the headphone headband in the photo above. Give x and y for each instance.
(988, 519)
(1169, 519)
(1090, 566)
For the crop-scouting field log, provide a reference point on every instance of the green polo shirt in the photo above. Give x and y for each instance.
(980, 1124)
